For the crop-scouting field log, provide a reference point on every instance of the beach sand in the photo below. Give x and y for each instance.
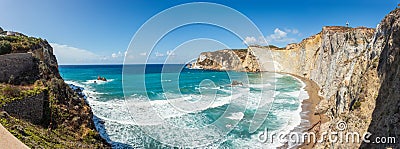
(310, 121)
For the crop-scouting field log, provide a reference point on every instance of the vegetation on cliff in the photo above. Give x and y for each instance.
(10, 93)
(65, 119)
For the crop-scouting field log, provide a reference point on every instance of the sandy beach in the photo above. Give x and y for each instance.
(310, 121)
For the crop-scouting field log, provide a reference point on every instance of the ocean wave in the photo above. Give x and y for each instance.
(293, 94)
(146, 112)
(259, 85)
(137, 110)
(95, 81)
(236, 116)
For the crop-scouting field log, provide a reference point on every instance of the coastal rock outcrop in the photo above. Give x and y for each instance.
(236, 59)
(39, 108)
(357, 70)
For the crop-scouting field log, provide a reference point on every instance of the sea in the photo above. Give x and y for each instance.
(171, 106)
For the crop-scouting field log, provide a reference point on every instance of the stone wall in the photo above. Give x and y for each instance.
(19, 68)
(32, 108)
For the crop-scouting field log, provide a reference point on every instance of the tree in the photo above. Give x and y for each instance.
(5, 47)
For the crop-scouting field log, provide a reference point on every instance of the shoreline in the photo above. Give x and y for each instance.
(98, 122)
(309, 121)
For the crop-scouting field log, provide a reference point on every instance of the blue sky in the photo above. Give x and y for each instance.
(97, 31)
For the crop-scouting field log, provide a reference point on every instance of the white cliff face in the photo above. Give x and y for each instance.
(357, 69)
(337, 59)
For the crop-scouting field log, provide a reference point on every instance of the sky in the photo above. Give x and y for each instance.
(100, 31)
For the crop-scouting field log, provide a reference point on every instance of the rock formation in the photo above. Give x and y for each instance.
(38, 107)
(236, 59)
(386, 114)
(357, 70)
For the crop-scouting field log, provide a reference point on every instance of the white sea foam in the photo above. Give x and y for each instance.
(144, 112)
(120, 115)
(236, 116)
(291, 119)
(259, 85)
(303, 93)
(293, 94)
(75, 83)
(97, 81)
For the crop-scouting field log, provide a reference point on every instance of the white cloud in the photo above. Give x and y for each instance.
(170, 53)
(292, 31)
(117, 55)
(158, 54)
(280, 36)
(250, 40)
(253, 40)
(114, 55)
(71, 55)
(143, 54)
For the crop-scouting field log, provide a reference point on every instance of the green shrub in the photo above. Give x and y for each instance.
(357, 105)
(11, 91)
(5, 47)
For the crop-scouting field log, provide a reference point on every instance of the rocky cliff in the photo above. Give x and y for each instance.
(357, 70)
(386, 47)
(36, 106)
(227, 59)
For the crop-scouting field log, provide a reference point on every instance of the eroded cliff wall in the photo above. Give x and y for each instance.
(357, 70)
(386, 114)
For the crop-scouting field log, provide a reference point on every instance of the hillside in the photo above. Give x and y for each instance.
(36, 105)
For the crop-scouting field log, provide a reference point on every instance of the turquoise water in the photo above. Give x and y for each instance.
(181, 107)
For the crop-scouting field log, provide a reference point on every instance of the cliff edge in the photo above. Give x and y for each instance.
(36, 106)
(357, 70)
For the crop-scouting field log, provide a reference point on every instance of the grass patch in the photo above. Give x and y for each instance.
(9, 93)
